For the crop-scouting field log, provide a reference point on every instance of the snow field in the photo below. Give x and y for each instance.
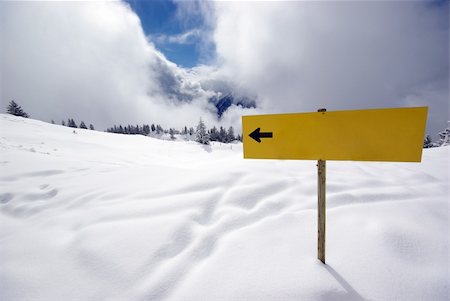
(98, 216)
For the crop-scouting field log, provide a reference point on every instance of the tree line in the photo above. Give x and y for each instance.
(72, 124)
(16, 110)
(202, 135)
(129, 129)
(444, 139)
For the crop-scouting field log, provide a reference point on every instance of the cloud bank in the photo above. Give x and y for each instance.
(93, 62)
(301, 56)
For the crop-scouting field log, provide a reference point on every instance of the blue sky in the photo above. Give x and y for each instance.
(165, 28)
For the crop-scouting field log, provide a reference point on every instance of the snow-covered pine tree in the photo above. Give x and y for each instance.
(201, 135)
(53, 122)
(230, 134)
(172, 133)
(444, 137)
(222, 135)
(157, 130)
(427, 142)
(214, 136)
(63, 123)
(91, 127)
(146, 129)
(16, 110)
(82, 125)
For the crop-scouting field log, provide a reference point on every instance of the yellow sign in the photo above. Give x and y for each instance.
(361, 135)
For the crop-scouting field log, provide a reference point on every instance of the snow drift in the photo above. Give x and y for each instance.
(87, 215)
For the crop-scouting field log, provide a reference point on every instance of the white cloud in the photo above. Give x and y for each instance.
(188, 37)
(301, 56)
(91, 61)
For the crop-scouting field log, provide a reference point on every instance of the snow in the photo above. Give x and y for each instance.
(99, 216)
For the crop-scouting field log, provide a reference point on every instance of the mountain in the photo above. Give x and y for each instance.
(222, 103)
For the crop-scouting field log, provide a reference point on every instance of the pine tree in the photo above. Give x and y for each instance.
(82, 125)
(146, 129)
(222, 135)
(201, 135)
(16, 110)
(53, 122)
(159, 129)
(63, 123)
(214, 134)
(91, 127)
(427, 142)
(172, 133)
(444, 137)
(230, 134)
(71, 123)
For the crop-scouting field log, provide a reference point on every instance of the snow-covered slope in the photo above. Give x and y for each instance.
(98, 216)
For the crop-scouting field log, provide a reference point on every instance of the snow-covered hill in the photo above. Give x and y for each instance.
(97, 216)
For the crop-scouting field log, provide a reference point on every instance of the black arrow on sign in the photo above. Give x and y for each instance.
(256, 135)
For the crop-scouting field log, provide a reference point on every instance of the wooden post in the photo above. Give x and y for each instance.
(321, 206)
(321, 210)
